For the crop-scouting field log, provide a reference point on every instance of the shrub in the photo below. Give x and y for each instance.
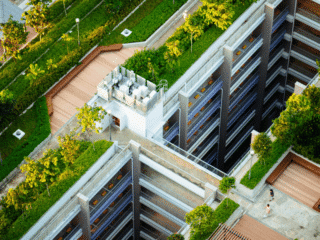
(262, 145)
(176, 236)
(226, 183)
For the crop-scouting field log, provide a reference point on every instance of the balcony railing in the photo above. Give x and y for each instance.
(270, 107)
(304, 75)
(210, 140)
(238, 127)
(172, 132)
(107, 219)
(205, 97)
(212, 156)
(73, 233)
(299, 53)
(152, 234)
(110, 197)
(274, 88)
(244, 90)
(241, 108)
(204, 116)
(306, 37)
(238, 143)
(249, 45)
(306, 14)
(273, 73)
(276, 39)
(276, 55)
(280, 19)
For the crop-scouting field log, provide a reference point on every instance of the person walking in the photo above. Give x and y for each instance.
(267, 211)
(271, 195)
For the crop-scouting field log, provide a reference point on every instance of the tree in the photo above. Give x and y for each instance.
(34, 74)
(44, 171)
(200, 220)
(14, 35)
(88, 117)
(226, 184)
(36, 17)
(35, 2)
(193, 26)
(175, 236)
(217, 14)
(69, 147)
(262, 146)
(174, 49)
(7, 102)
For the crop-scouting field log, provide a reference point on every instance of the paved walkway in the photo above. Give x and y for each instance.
(83, 87)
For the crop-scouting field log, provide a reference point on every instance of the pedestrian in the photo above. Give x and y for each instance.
(271, 195)
(267, 211)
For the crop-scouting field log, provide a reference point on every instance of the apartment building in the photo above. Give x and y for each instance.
(242, 81)
(129, 193)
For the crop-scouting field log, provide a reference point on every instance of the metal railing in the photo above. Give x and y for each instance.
(309, 15)
(193, 158)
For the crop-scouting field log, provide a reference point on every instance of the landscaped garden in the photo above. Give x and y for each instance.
(298, 126)
(49, 177)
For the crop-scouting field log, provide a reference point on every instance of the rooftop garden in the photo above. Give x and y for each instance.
(58, 51)
(188, 42)
(298, 126)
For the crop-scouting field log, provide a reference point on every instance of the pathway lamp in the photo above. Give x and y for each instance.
(77, 21)
(251, 153)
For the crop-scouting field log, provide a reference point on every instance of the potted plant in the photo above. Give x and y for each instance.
(176, 236)
(103, 193)
(69, 229)
(111, 186)
(105, 211)
(119, 176)
(95, 202)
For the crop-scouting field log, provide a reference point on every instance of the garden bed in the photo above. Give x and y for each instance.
(57, 189)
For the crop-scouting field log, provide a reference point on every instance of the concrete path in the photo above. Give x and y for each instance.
(83, 87)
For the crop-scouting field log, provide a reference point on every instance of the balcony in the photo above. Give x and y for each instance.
(308, 18)
(269, 108)
(250, 45)
(273, 73)
(301, 73)
(235, 114)
(280, 19)
(243, 73)
(244, 89)
(274, 88)
(306, 37)
(208, 143)
(232, 133)
(203, 116)
(103, 201)
(203, 97)
(117, 225)
(244, 136)
(171, 132)
(304, 56)
(211, 156)
(104, 221)
(126, 233)
(278, 36)
(211, 124)
(276, 54)
(149, 233)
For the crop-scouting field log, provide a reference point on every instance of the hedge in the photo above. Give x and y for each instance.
(40, 133)
(57, 190)
(258, 170)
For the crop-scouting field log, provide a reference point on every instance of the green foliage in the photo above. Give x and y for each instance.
(36, 17)
(262, 145)
(69, 147)
(14, 35)
(6, 103)
(88, 117)
(34, 73)
(226, 183)
(113, 6)
(298, 124)
(57, 189)
(175, 236)
(258, 171)
(40, 132)
(200, 220)
(204, 220)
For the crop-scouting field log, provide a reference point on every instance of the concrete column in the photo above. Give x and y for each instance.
(183, 128)
(263, 68)
(254, 133)
(136, 188)
(210, 192)
(298, 88)
(84, 215)
(226, 78)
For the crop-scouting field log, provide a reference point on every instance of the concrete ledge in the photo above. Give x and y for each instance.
(236, 215)
(135, 44)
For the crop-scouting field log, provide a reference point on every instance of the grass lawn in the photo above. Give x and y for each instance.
(27, 123)
(258, 170)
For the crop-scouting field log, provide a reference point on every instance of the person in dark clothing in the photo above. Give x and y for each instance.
(271, 195)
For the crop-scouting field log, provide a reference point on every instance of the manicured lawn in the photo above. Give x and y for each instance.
(57, 189)
(258, 170)
(144, 22)
(27, 123)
